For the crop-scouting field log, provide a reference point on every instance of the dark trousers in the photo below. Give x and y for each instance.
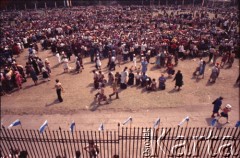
(59, 95)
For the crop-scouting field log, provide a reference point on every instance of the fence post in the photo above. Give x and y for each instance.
(9, 145)
(62, 140)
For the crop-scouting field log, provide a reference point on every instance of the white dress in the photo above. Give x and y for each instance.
(65, 64)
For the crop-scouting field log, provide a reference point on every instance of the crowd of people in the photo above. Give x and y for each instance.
(120, 34)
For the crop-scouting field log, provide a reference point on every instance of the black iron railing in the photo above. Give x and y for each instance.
(125, 142)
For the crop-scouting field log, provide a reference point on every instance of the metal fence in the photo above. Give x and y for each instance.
(125, 142)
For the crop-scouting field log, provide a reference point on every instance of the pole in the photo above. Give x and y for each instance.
(25, 6)
(35, 6)
(64, 3)
(55, 4)
(45, 5)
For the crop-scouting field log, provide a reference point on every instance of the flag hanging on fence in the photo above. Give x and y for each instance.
(44, 125)
(186, 119)
(157, 122)
(128, 120)
(213, 122)
(72, 126)
(15, 123)
(237, 124)
(101, 128)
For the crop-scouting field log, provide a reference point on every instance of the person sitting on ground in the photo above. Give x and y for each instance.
(162, 81)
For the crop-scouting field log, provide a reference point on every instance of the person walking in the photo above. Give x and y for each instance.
(45, 74)
(216, 106)
(59, 89)
(115, 89)
(214, 74)
(179, 80)
(144, 65)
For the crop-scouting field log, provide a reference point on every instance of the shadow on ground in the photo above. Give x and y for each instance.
(53, 103)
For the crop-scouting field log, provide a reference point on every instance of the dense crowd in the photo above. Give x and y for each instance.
(121, 34)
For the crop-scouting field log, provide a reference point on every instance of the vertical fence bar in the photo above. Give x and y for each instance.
(115, 144)
(180, 139)
(111, 140)
(46, 142)
(237, 139)
(73, 141)
(30, 141)
(103, 143)
(63, 143)
(3, 145)
(107, 144)
(141, 138)
(122, 144)
(117, 147)
(170, 139)
(126, 138)
(216, 142)
(198, 134)
(68, 140)
(162, 140)
(95, 137)
(56, 143)
(198, 149)
(84, 140)
(59, 143)
(100, 140)
(42, 142)
(38, 142)
(52, 142)
(130, 138)
(208, 132)
(76, 139)
(154, 138)
(191, 136)
(19, 139)
(133, 142)
(7, 140)
(25, 141)
(137, 141)
(15, 139)
(228, 135)
(35, 142)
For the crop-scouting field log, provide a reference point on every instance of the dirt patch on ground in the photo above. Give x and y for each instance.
(195, 96)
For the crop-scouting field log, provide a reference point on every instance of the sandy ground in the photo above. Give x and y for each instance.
(34, 104)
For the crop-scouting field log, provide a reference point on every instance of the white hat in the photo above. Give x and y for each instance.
(228, 106)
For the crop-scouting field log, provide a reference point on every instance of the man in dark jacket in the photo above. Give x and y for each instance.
(216, 106)
(179, 80)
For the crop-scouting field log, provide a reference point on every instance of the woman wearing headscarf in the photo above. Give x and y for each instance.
(178, 80)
